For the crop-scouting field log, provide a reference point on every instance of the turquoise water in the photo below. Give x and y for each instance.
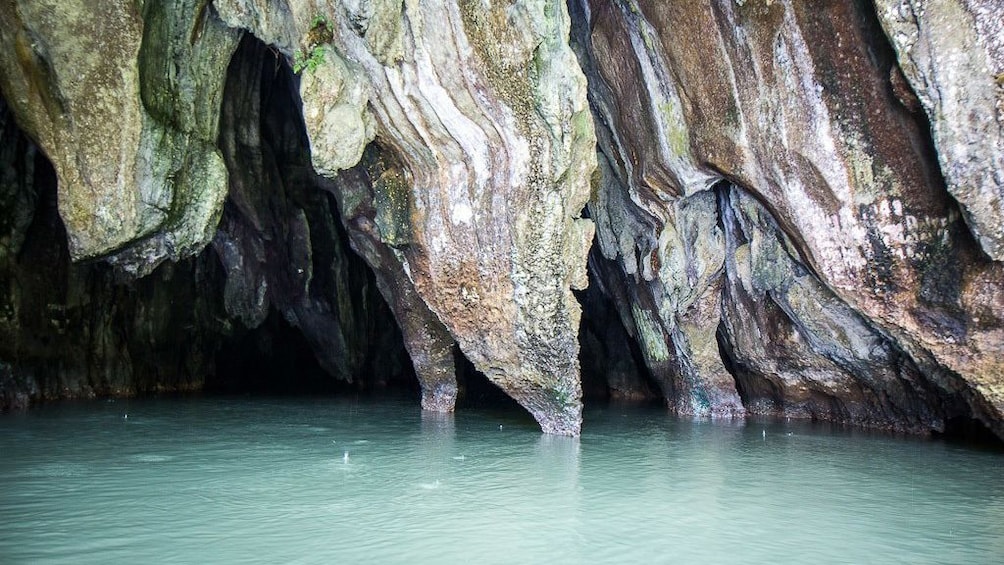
(339, 481)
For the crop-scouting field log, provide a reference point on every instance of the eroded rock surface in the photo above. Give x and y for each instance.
(124, 100)
(952, 53)
(840, 276)
(362, 192)
(481, 108)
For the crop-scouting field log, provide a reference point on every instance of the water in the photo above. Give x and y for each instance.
(338, 481)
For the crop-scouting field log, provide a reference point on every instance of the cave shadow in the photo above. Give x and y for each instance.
(327, 329)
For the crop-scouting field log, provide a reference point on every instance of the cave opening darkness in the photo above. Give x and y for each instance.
(612, 364)
(327, 328)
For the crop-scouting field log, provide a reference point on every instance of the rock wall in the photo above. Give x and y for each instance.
(796, 206)
(123, 98)
(951, 52)
(835, 277)
(486, 147)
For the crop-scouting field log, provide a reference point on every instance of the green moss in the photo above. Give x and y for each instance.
(302, 61)
(311, 55)
(321, 26)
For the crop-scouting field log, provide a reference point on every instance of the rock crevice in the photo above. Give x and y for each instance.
(840, 283)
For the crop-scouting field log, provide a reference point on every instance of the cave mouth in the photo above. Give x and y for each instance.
(971, 433)
(753, 390)
(475, 391)
(275, 358)
(612, 366)
(329, 331)
(81, 330)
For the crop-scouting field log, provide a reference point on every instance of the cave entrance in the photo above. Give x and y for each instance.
(476, 391)
(306, 310)
(971, 432)
(612, 365)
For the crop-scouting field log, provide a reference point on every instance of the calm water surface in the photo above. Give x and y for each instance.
(339, 481)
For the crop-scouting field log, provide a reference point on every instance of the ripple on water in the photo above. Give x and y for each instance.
(150, 458)
(55, 470)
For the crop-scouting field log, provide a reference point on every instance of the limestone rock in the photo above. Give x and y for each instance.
(484, 110)
(334, 106)
(430, 345)
(124, 99)
(793, 104)
(797, 205)
(952, 53)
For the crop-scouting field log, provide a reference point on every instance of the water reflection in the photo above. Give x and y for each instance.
(435, 453)
(438, 423)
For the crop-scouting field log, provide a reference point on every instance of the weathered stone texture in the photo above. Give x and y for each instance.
(429, 343)
(483, 109)
(124, 100)
(952, 53)
(871, 302)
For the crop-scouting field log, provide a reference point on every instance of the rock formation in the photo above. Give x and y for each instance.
(250, 312)
(484, 150)
(952, 54)
(124, 99)
(797, 207)
(835, 268)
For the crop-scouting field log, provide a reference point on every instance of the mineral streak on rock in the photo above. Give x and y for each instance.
(874, 307)
(484, 108)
